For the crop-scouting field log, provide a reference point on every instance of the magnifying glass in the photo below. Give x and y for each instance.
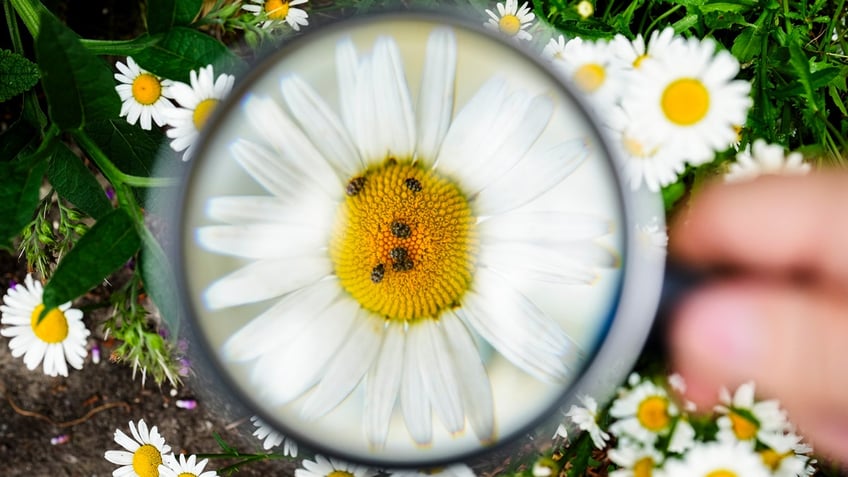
(404, 241)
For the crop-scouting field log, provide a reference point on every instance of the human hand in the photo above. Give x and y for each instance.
(783, 321)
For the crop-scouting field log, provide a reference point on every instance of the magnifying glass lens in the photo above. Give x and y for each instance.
(402, 240)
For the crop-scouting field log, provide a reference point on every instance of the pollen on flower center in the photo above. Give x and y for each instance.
(339, 473)
(743, 427)
(722, 473)
(203, 111)
(146, 89)
(146, 460)
(653, 413)
(643, 467)
(403, 242)
(772, 458)
(590, 77)
(186, 474)
(685, 101)
(509, 24)
(53, 328)
(277, 9)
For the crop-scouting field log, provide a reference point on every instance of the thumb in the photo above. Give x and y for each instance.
(790, 341)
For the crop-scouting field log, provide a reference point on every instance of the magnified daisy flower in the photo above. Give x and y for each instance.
(332, 467)
(196, 102)
(763, 158)
(511, 20)
(404, 243)
(688, 100)
(144, 95)
(645, 161)
(745, 418)
(182, 467)
(271, 438)
(145, 450)
(278, 11)
(718, 459)
(636, 460)
(59, 339)
(586, 419)
(592, 67)
(455, 470)
(644, 413)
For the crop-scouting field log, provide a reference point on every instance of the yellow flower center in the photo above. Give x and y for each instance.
(509, 24)
(590, 77)
(203, 111)
(186, 474)
(53, 328)
(772, 458)
(653, 413)
(722, 473)
(146, 460)
(277, 9)
(339, 473)
(643, 467)
(146, 89)
(685, 101)
(744, 428)
(403, 242)
(639, 59)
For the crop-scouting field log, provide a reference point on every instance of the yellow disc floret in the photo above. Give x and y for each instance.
(653, 413)
(404, 240)
(146, 89)
(744, 428)
(590, 77)
(722, 473)
(53, 328)
(509, 24)
(146, 460)
(187, 474)
(277, 9)
(340, 473)
(685, 101)
(643, 467)
(203, 111)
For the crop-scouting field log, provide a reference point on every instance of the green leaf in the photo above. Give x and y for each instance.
(158, 278)
(163, 14)
(747, 44)
(800, 63)
(132, 149)
(672, 193)
(78, 85)
(834, 95)
(18, 75)
(184, 49)
(76, 183)
(738, 6)
(103, 249)
(30, 12)
(14, 140)
(19, 187)
(187, 11)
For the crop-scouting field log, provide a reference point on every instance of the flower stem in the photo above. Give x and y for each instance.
(119, 47)
(115, 175)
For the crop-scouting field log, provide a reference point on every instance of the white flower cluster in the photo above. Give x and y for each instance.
(647, 430)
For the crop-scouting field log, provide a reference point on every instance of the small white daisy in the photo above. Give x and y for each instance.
(586, 419)
(196, 102)
(145, 450)
(643, 413)
(644, 160)
(762, 158)
(591, 66)
(688, 100)
(59, 339)
(144, 95)
(271, 438)
(278, 11)
(714, 459)
(332, 467)
(745, 418)
(633, 53)
(555, 49)
(511, 20)
(635, 460)
(182, 467)
(785, 454)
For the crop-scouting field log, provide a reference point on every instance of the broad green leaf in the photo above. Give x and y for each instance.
(158, 279)
(76, 183)
(735, 7)
(800, 63)
(30, 12)
(184, 49)
(19, 187)
(187, 11)
(817, 80)
(78, 85)
(108, 245)
(160, 15)
(14, 140)
(131, 148)
(747, 44)
(17, 74)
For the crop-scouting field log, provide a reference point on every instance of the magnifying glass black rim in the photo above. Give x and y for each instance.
(218, 118)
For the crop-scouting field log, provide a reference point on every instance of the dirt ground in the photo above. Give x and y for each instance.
(36, 411)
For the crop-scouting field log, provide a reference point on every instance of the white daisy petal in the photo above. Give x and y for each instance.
(436, 98)
(383, 382)
(258, 241)
(395, 119)
(436, 367)
(414, 398)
